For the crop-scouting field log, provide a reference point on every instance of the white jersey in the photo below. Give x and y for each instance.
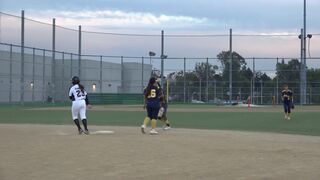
(76, 93)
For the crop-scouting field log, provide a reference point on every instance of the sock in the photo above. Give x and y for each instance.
(84, 122)
(167, 123)
(76, 121)
(146, 121)
(153, 124)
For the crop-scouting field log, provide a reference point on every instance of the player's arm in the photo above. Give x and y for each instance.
(71, 96)
(145, 99)
(291, 96)
(87, 100)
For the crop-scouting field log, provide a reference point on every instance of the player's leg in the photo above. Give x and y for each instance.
(83, 117)
(166, 121)
(289, 111)
(75, 112)
(146, 120)
(154, 115)
(285, 110)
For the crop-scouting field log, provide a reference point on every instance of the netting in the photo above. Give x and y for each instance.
(196, 66)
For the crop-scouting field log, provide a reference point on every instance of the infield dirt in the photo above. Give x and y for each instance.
(52, 152)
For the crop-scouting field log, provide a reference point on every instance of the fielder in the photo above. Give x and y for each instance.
(152, 96)
(80, 101)
(287, 101)
(162, 115)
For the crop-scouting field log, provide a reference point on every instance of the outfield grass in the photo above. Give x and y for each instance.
(305, 123)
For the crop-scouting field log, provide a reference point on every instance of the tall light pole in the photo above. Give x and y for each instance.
(303, 76)
(230, 68)
(162, 57)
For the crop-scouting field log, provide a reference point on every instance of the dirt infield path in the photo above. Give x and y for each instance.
(55, 152)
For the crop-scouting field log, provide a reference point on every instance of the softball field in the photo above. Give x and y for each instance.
(212, 144)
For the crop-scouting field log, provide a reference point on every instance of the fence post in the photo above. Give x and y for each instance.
(215, 89)
(142, 69)
(10, 88)
(122, 74)
(261, 92)
(33, 72)
(43, 74)
(207, 81)
(184, 80)
(22, 58)
(162, 58)
(62, 80)
(200, 90)
(79, 53)
(277, 89)
(71, 65)
(310, 95)
(53, 68)
(230, 68)
(253, 81)
(101, 74)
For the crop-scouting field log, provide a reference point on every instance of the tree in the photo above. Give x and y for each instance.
(238, 62)
(241, 75)
(289, 73)
(202, 68)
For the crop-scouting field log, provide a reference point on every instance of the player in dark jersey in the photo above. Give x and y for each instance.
(162, 115)
(287, 101)
(152, 95)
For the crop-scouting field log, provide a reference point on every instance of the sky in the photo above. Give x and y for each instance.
(203, 15)
(258, 17)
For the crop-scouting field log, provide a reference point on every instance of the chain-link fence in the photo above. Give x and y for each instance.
(37, 61)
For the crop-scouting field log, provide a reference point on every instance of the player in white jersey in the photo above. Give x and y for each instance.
(79, 104)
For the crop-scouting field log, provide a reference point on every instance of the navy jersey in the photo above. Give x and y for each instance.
(286, 95)
(153, 95)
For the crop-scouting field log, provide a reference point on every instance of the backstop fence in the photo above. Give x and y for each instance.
(37, 61)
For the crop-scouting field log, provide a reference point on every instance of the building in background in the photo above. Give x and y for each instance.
(41, 85)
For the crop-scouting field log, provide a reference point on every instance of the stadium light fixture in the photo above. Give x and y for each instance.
(164, 56)
(31, 84)
(94, 87)
(151, 54)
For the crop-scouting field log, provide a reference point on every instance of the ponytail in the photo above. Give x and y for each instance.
(81, 87)
(148, 89)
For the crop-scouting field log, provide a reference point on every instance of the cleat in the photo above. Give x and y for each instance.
(80, 131)
(153, 132)
(143, 129)
(289, 118)
(86, 132)
(285, 117)
(167, 128)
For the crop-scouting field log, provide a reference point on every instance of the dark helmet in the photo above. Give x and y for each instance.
(75, 80)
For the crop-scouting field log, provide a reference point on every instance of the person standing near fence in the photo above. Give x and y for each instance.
(80, 101)
(287, 101)
(152, 95)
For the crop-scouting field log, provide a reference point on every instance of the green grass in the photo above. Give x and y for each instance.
(305, 123)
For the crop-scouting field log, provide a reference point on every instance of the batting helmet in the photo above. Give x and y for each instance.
(75, 80)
